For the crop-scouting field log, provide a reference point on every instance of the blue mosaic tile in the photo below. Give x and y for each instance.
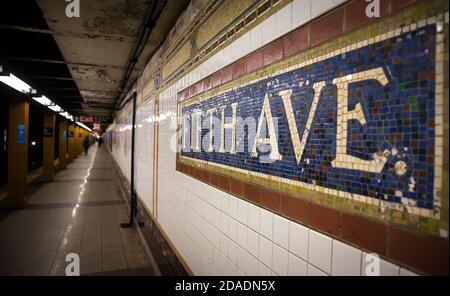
(399, 117)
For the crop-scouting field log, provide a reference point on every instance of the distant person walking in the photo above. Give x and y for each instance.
(100, 142)
(86, 144)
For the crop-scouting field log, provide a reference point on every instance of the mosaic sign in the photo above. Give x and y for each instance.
(358, 124)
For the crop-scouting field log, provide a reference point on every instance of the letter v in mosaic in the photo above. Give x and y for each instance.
(362, 123)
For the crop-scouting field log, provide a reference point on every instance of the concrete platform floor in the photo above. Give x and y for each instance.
(79, 212)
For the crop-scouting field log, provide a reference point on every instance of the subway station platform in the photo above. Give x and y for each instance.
(79, 212)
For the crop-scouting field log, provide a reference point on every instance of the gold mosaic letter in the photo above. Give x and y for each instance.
(342, 159)
(272, 139)
(211, 121)
(231, 125)
(299, 147)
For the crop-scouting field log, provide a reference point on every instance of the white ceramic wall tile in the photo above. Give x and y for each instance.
(269, 29)
(227, 56)
(281, 231)
(236, 49)
(301, 12)
(232, 206)
(232, 251)
(240, 47)
(405, 272)
(253, 242)
(346, 260)
(253, 217)
(241, 258)
(279, 260)
(242, 211)
(296, 266)
(242, 235)
(247, 263)
(338, 2)
(231, 269)
(388, 269)
(313, 271)
(283, 19)
(224, 222)
(298, 240)
(256, 37)
(232, 229)
(319, 251)
(265, 251)
(319, 7)
(264, 270)
(266, 223)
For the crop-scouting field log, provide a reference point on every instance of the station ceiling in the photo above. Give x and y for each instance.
(80, 62)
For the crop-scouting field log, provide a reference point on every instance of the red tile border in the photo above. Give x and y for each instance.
(419, 251)
(400, 4)
(216, 80)
(205, 176)
(327, 27)
(269, 199)
(273, 52)
(254, 61)
(214, 179)
(296, 42)
(236, 187)
(227, 74)
(239, 69)
(251, 192)
(207, 83)
(323, 218)
(293, 208)
(367, 234)
(224, 183)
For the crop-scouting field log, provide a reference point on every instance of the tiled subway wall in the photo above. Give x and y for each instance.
(213, 231)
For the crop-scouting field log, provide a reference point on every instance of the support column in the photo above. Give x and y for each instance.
(78, 147)
(17, 154)
(49, 147)
(71, 144)
(63, 159)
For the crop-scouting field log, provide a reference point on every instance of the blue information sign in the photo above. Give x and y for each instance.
(21, 134)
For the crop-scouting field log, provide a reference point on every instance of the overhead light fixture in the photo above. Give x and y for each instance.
(43, 100)
(84, 126)
(56, 108)
(16, 83)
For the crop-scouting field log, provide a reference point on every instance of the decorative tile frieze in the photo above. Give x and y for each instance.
(359, 123)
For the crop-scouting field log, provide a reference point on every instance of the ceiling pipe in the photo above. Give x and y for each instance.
(144, 33)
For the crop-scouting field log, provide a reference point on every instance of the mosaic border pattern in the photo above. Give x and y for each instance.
(342, 194)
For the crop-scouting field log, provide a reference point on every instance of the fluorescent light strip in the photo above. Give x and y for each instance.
(84, 126)
(21, 86)
(16, 83)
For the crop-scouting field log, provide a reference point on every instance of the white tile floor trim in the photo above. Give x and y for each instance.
(215, 232)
